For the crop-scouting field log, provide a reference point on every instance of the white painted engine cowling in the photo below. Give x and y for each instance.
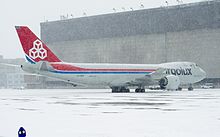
(170, 82)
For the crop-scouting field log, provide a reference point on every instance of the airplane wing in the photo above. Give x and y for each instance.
(147, 80)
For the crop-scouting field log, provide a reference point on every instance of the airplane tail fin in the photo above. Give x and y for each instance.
(35, 50)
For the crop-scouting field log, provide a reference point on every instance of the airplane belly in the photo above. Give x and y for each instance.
(98, 79)
(105, 80)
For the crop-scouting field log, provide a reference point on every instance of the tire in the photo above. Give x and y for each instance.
(179, 89)
(190, 89)
(137, 90)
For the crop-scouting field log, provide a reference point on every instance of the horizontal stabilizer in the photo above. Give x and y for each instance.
(10, 65)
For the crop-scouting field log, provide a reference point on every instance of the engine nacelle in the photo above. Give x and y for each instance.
(169, 82)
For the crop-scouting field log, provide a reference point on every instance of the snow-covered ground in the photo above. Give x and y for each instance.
(99, 113)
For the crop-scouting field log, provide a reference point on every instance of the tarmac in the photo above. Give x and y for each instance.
(100, 113)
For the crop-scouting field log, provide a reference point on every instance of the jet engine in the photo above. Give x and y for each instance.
(169, 82)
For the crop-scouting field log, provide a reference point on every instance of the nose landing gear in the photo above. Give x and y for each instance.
(190, 88)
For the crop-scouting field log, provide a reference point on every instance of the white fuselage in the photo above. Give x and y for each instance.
(119, 74)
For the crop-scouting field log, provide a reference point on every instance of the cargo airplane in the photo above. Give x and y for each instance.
(119, 77)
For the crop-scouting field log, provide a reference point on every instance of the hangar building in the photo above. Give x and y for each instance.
(188, 32)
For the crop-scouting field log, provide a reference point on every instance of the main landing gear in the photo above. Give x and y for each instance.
(139, 90)
(127, 90)
(120, 90)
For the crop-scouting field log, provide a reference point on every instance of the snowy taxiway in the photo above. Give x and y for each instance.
(99, 113)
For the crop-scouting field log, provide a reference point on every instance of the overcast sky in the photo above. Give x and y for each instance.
(32, 12)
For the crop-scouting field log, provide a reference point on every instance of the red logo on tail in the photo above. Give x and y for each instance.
(37, 51)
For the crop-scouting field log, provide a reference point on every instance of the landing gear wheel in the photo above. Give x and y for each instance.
(140, 90)
(143, 90)
(126, 90)
(115, 90)
(179, 89)
(190, 89)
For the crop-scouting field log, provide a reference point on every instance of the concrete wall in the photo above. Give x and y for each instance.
(133, 49)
